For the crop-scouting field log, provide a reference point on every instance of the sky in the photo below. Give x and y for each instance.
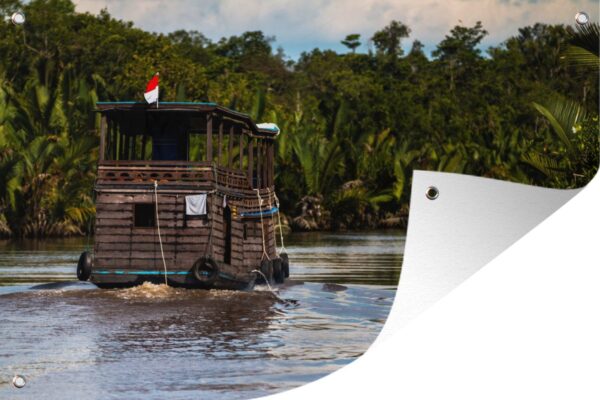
(302, 25)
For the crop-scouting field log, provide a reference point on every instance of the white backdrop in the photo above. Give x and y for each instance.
(525, 326)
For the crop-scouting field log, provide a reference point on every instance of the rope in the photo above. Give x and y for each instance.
(211, 217)
(262, 225)
(283, 249)
(266, 280)
(210, 233)
(162, 253)
(272, 219)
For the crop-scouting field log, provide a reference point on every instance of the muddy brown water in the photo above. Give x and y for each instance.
(72, 340)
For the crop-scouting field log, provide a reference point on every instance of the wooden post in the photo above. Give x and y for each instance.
(220, 143)
(258, 163)
(250, 160)
(242, 150)
(115, 139)
(144, 138)
(108, 141)
(271, 163)
(265, 165)
(127, 139)
(209, 145)
(102, 137)
(230, 152)
(120, 144)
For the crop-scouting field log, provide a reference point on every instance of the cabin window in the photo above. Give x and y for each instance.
(144, 215)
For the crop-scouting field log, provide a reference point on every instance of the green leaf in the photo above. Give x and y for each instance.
(563, 115)
(546, 165)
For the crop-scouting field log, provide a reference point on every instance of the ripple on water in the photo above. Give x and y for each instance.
(153, 341)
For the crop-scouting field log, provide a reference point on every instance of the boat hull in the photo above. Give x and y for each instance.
(111, 279)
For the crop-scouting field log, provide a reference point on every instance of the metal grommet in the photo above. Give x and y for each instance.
(432, 193)
(19, 381)
(582, 18)
(18, 18)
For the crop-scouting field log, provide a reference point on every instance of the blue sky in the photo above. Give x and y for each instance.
(303, 25)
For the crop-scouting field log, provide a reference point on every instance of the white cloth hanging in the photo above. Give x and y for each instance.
(195, 204)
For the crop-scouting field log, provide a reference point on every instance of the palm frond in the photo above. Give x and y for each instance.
(258, 106)
(583, 49)
(579, 56)
(587, 37)
(400, 177)
(546, 165)
(383, 197)
(563, 116)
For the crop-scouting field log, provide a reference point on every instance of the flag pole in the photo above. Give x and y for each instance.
(157, 92)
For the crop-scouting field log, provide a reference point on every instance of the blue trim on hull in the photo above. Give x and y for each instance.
(259, 213)
(159, 273)
(121, 272)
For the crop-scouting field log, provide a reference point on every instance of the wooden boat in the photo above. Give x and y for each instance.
(184, 196)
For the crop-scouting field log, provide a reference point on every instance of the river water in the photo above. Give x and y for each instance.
(72, 340)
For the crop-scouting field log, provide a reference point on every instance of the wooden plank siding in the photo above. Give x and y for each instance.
(119, 244)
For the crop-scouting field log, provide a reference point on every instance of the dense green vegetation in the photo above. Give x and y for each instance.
(354, 125)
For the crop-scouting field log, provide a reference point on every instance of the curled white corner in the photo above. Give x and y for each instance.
(449, 238)
(523, 327)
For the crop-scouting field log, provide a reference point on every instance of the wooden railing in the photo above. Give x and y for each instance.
(170, 172)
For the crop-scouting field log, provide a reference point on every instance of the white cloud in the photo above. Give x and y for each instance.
(303, 25)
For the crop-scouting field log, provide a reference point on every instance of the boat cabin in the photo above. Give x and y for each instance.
(184, 196)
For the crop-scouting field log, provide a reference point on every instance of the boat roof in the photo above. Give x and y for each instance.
(270, 130)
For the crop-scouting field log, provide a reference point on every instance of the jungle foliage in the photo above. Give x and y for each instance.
(354, 125)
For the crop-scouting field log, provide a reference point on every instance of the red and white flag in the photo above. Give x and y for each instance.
(151, 93)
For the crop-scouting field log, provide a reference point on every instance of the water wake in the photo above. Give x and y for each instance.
(147, 290)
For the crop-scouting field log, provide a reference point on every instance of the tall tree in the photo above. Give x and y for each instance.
(388, 41)
(459, 50)
(352, 41)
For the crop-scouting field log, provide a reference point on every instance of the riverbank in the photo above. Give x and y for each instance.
(311, 215)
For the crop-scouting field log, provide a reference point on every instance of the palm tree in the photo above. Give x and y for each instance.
(47, 158)
(8, 161)
(583, 47)
(575, 127)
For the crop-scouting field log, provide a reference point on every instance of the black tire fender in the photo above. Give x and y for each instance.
(278, 274)
(285, 264)
(206, 269)
(84, 266)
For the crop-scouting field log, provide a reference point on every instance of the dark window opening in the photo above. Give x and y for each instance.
(144, 215)
(245, 231)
